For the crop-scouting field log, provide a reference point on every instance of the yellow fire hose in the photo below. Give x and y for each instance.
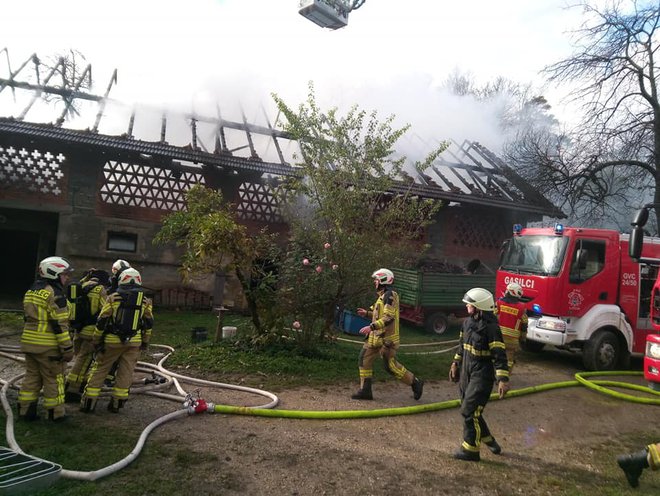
(596, 385)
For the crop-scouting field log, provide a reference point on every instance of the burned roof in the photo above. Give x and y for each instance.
(465, 173)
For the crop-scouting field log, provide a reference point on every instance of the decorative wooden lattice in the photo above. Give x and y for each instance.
(144, 186)
(32, 170)
(479, 231)
(256, 202)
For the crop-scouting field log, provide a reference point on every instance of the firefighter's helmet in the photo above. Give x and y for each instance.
(514, 289)
(480, 298)
(130, 276)
(120, 265)
(52, 267)
(383, 276)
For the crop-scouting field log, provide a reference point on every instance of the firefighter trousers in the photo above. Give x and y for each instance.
(43, 370)
(475, 428)
(84, 353)
(127, 356)
(368, 355)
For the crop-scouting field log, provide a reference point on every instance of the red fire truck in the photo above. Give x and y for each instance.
(584, 292)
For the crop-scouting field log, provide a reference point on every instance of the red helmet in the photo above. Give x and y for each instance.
(52, 267)
(130, 276)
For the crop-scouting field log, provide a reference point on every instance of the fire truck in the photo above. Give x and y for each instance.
(584, 292)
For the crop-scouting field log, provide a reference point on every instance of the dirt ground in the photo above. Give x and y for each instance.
(556, 442)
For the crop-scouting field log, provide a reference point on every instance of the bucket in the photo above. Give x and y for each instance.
(199, 334)
(228, 332)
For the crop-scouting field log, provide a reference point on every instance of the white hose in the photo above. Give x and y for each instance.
(171, 378)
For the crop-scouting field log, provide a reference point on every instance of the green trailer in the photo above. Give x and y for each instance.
(428, 298)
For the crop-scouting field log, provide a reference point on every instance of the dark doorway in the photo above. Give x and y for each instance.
(19, 251)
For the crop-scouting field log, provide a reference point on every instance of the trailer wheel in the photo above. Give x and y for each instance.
(601, 351)
(437, 323)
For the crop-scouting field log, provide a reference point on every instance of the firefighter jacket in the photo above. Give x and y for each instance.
(481, 355)
(512, 315)
(46, 319)
(385, 319)
(97, 297)
(109, 325)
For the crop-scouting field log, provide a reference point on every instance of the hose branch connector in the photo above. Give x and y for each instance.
(196, 405)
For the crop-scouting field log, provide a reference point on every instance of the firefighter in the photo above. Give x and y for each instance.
(122, 330)
(511, 313)
(117, 268)
(382, 338)
(633, 464)
(45, 341)
(478, 363)
(91, 288)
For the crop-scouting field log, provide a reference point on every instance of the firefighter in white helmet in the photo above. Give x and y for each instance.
(478, 363)
(512, 316)
(45, 341)
(122, 330)
(117, 268)
(383, 338)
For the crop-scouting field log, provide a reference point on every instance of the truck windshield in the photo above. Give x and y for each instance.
(542, 255)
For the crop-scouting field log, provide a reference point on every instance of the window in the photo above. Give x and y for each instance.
(122, 241)
(588, 260)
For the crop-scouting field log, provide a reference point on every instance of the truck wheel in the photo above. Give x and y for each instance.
(601, 351)
(532, 346)
(437, 323)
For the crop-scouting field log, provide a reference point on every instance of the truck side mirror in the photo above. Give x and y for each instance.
(641, 217)
(635, 242)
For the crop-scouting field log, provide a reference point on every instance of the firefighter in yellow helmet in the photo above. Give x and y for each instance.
(633, 464)
(511, 314)
(478, 363)
(383, 339)
(45, 341)
(123, 329)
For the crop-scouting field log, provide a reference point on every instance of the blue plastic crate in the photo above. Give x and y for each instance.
(351, 323)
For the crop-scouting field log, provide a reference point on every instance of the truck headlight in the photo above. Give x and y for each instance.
(552, 325)
(653, 350)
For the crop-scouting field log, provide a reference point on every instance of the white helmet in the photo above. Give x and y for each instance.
(514, 289)
(383, 276)
(119, 265)
(480, 298)
(52, 267)
(130, 276)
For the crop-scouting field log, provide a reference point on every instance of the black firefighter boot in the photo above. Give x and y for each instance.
(632, 465)
(30, 413)
(417, 387)
(115, 405)
(364, 393)
(467, 456)
(87, 405)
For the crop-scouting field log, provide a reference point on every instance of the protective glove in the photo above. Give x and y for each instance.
(454, 372)
(362, 312)
(502, 388)
(365, 330)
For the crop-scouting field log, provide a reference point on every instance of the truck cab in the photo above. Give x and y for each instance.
(583, 292)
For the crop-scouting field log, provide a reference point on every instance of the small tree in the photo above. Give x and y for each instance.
(351, 210)
(213, 241)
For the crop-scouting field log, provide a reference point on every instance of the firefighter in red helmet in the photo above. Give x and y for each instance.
(383, 338)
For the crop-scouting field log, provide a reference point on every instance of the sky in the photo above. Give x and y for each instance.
(392, 57)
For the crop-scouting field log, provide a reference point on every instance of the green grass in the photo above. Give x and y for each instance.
(281, 365)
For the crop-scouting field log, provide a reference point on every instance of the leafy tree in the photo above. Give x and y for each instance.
(351, 210)
(213, 241)
(615, 153)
